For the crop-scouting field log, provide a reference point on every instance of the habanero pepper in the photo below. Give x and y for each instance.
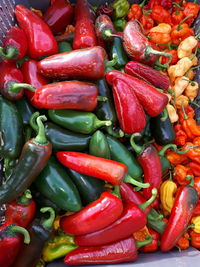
(147, 22)
(135, 11)
(183, 242)
(195, 167)
(177, 16)
(183, 175)
(175, 158)
(195, 239)
(15, 45)
(189, 125)
(180, 32)
(41, 41)
(181, 136)
(154, 245)
(191, 8)
(165, 60)
(160, 14)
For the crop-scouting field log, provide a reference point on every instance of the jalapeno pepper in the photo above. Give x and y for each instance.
(25, 109)
(99, 146)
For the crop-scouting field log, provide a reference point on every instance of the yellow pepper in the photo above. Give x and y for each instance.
(186, 46)
(194, 60)
(196, 222)
(181, 99)
(180, 85)
(178, 70)
(190, 74)
(173, 116)
(162, 27)
(191, 90)
(167, 191)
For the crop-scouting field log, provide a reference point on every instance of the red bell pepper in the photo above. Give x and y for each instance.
(11, 81)
(153, 246)
(138, 47)
(33, 77)
(120, 251)
(87, 64)
(191, 8)
(185, 202)
(147, 74)
(21, 211)
(131, 220)
(15, 45)
(89, 219)
(104, 27)
(10, 242)
(130, 113)
(59, 15)
(84, 35)
(67, 95)
(152, 100)
(41, 41)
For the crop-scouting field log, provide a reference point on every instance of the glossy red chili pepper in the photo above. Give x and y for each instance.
(84, 35)
(11, 81)
(41, 41)
(147, 74)
(21, 211)
(89, 219)
(153, 246)
(33, 77)
(15, 45)
(67, 95)
(104, 27)
(87, 64)
(131, 220)
(185, 202)
(10, 242)
(130, 113)
(152, 100)
(59, 15)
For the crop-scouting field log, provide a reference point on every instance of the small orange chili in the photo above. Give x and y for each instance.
(147, 23)
(159, 38)
(153, 246)
(183, 242)
(135, 11)
(181, 136)
(193, 152)
(191, 8)
(141, 234)
(181, 175)
(175, 59)
(189, 112)
(161, 15)
(177, 17)
(180, 32)
(195, 239)
(175, 158)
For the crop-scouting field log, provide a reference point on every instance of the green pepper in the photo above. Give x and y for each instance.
(25, 109)
(117, 48)
(77, 121)
(119, 24)
(121, 154)
(154, 220)
(99, 146)
(11, 128)
(64, 47)
(89, 188)
(54, 183)
(121, 8)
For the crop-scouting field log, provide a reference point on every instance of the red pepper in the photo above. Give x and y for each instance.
(185, 202)
(152, 100)
(152, 3)
(147, 74)
(130, 113)
(84, 35)
(21, 211)
(153, 246)
(167, 4)
(87, 64)
(10, 242)
(41, 41)
(59, 15)
(177, 17)
(105, 10)
(131, 220)
(197, 184)
(135, 11)
(89, 219)
(67, 95)
(120, 251)
(175, 58)
(195, 168)
(196, 211)
(195, 239)
(138, 47)
(191, 8)
(104, 27)
(15, 45)
(33, 77)
(161, 15)
(147, 22)
(11, 81)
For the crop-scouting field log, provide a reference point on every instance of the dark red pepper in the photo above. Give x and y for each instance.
(84, 35)
(191, 8)
(10, 242)
(161, 15)
(105, 10)
(41, 41)
(67, 95)
(21, 211)
(104, 27)
(147, 74)
(15, 45)
(154, 245)
(59, 15)
(87, 64)
(184, 205)
(152, 100)
(11, 81)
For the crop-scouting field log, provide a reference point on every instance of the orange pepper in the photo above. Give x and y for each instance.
(189, 112)
(182, 176)
(181, 136)
(141, 234)
(183, 242)
(175, 158)
(159, 37)
(180, 32)
(193, 153)
(195, 239)
(135, 12)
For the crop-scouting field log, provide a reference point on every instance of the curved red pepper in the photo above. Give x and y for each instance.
(67, 95)
(130, 113)
(104, 27)
(59, 15)
(153, 246)
(15, 45)
(196, 211)
(84, 35)
(41, 41)
(152, 100)
(87, 64)
(185, 202)
(89, 219)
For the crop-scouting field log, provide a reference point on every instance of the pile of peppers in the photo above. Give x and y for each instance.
(100, 147)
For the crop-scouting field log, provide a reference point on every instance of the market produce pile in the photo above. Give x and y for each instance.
(100, 146)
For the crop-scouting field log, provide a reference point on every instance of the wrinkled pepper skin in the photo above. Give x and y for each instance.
(89, 219)
(120, 251)
(67, 95)
(185, 202)
(41, 41)
(59, 15)
(85, 64)
(149, 97)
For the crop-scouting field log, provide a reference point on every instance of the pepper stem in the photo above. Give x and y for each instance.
(144, 205)
(116, 191)
(173, 147)
(108, 33)
(41, 136)
(11, 52)
(102, 98)
(32, 120)
(177, 5)
(47, 223)
(112, 62)
(159, 217)
(21, 230)
(98, 123)
(130, 180)
(165, 115)
(185, 117)
(140, 244)
(165, 66)
(111, 132)
(191, 179)
(143, 3)
(181, 22)
(138, 149)
(25, 198)
(15, 87)
(149, 50)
